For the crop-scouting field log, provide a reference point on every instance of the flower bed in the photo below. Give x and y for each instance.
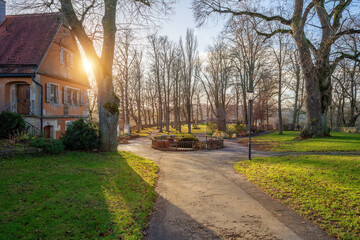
(172, 144)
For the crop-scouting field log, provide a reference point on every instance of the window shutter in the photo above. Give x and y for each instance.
(78, 98)
(65, 95)
(61, 56)
(48, 92)
(58, 100)
(82, 98)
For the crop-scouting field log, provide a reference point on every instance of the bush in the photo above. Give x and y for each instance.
(230, 131)
(188, 139)
(81, 135)
(48, 145)
(20, 136)
(212, 127)
(10, 123)
(240, 127)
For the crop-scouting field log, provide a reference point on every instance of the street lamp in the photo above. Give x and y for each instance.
(206, 123)
(250, 96)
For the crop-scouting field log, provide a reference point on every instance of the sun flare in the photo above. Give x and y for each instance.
(87, 65)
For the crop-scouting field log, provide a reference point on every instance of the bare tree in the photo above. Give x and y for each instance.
(216, 80)
(102, 15)
(248, 54)
(297, 85)
(189, 54)
(279, 50)
(335, 20)
(124, 60)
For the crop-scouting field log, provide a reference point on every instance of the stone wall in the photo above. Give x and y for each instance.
(19, 151)
(347, 129)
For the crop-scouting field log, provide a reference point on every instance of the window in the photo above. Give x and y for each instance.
(71, 96)
(66, 58)
(67, 124)
(52, 93)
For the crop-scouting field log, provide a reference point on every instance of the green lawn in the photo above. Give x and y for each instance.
(324, 189)
(172, 131)
(76, 195)
(338, 142)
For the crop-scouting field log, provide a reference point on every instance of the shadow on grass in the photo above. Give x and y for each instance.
(76, 196)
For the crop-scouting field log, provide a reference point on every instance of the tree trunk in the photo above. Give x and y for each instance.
(279, 105)
(108, 106)
(293, 124)
(314, 121)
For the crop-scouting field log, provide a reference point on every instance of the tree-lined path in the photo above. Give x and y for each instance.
(200, 197)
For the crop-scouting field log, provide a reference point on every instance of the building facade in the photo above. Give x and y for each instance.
(41, 72)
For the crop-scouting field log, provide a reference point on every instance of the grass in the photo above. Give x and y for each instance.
(338, 142)
(76, 195)
(324, 189)
(172, 131)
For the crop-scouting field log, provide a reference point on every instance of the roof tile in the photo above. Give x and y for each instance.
(24, 39)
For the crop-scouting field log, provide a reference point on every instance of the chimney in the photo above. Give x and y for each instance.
(2, 11)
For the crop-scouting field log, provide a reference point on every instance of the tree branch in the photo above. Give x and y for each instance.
(306, 13)
(269, 35)
(346, 32)
(87, 10)
(337, 12)
(355, 57)
(145, 2)
(253, 14)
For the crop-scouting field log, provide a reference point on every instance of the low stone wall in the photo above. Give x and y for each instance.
(348, 129)
(19, 151)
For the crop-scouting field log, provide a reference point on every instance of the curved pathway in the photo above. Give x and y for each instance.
(201, 197)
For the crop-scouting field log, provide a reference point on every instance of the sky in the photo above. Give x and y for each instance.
(183, 18)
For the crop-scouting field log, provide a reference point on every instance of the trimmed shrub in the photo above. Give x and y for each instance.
(188, 139)
(81, 135)
(48, 145)
(11, 123)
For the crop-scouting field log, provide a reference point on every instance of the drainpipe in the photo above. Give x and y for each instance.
(41, 103)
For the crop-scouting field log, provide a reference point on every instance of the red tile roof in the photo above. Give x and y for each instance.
(24, 40)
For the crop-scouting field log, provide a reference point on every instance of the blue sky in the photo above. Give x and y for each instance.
(177, 23)
(183, 18)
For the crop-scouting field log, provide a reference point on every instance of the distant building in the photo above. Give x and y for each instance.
(41, 71)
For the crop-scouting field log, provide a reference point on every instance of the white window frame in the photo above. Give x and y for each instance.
(68, 123)
(66, 57)
(71, 91)
(49, 94)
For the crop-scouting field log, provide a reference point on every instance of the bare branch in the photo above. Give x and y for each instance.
(87, 10)
(269, 35)
(355, 57)
(145, 2)
(306, 13)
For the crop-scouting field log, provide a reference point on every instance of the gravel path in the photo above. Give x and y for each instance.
(200, 197)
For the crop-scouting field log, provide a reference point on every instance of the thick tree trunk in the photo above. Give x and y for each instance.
(314, 121)
(108, 105)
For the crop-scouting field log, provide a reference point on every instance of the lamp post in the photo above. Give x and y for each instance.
(250, 94)
(206, 119)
